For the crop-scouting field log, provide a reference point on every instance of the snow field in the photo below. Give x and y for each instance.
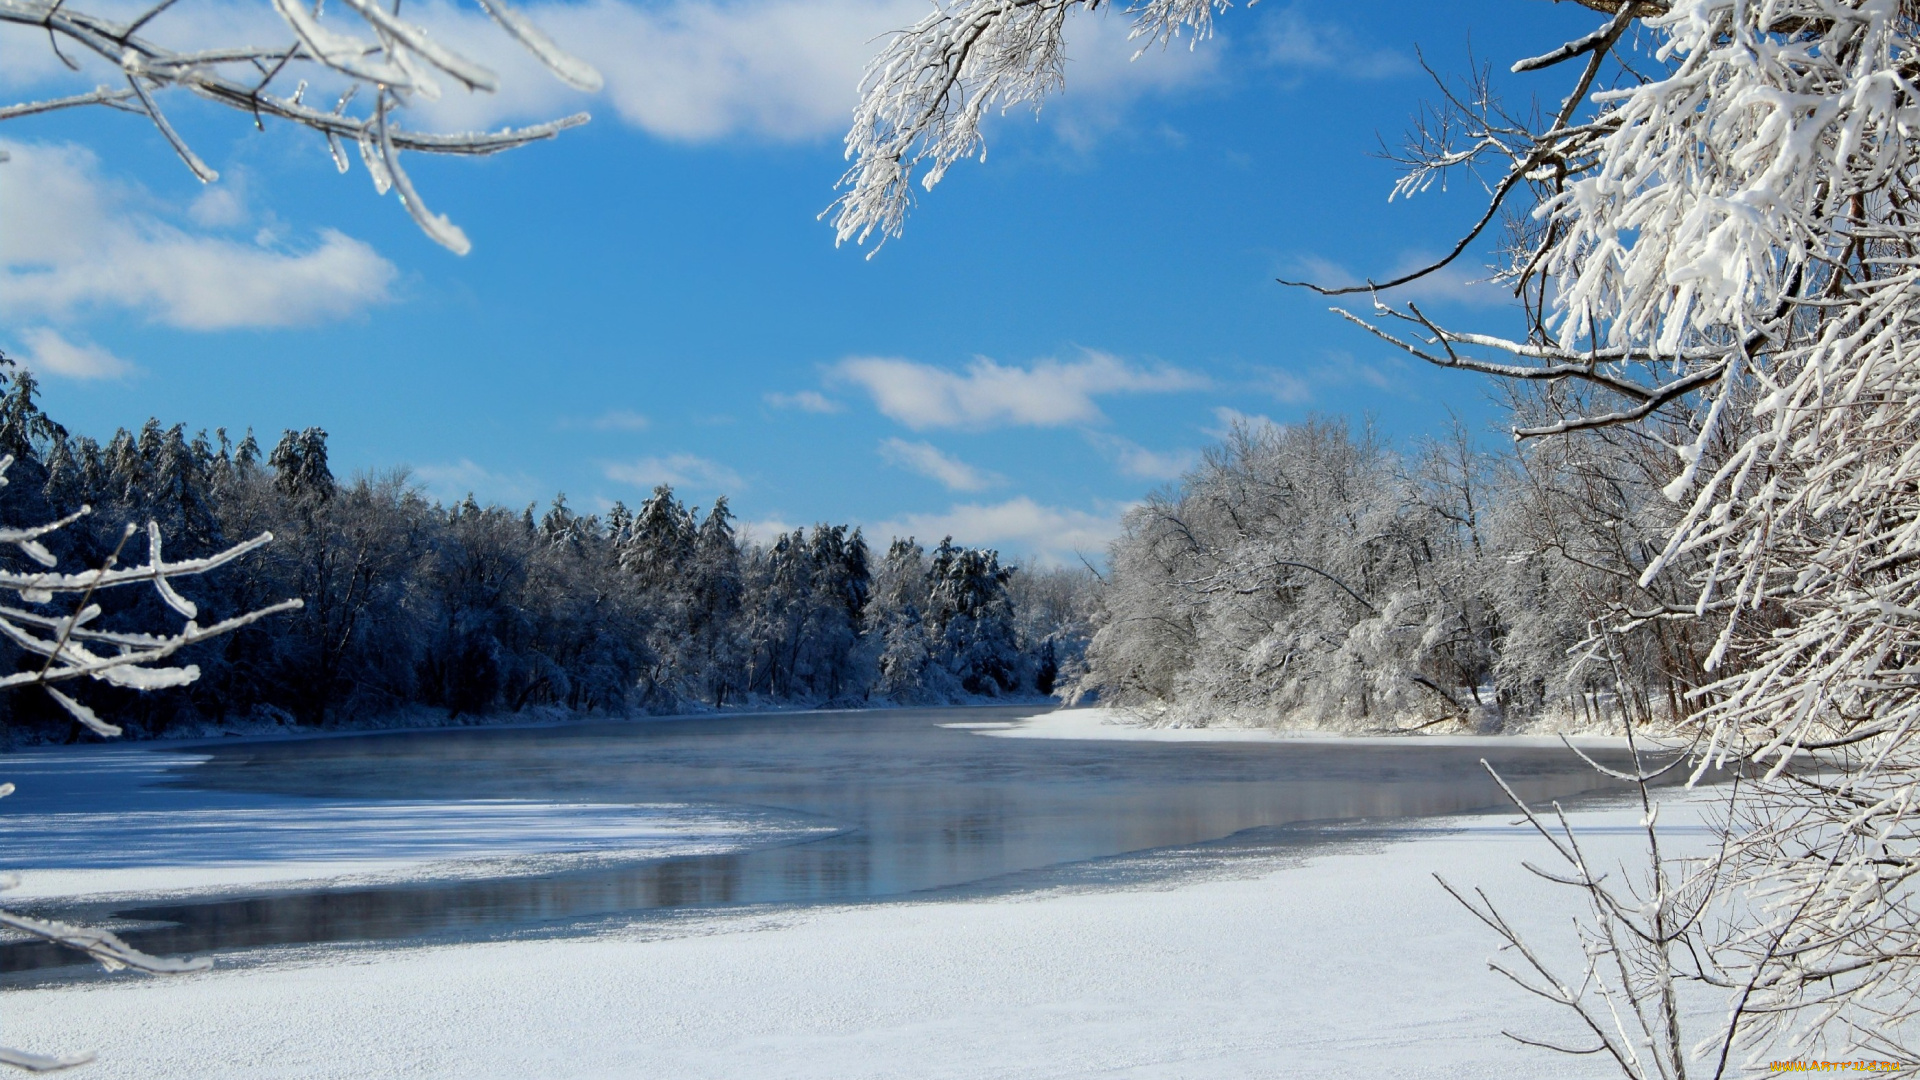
(1348, 962)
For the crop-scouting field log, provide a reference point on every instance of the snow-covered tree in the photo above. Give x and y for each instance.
(896, 622)
(1712, 228)
(971, 619)
(1720, 249)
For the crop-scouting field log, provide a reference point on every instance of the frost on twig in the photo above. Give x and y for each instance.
(362, 46)
(72, 646)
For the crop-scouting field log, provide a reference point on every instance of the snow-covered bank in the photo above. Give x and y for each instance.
(1110, 723)
(1350, 962)
(103, 821)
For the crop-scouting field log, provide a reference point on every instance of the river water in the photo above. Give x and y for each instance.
(884, 804)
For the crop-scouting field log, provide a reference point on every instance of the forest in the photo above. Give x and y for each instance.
(1309, 576)
(473, 611)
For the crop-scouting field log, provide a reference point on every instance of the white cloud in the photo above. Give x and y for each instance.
(451, 483)
(1049, 394)
(812, 401)
(51, 354)
(685, 70)
(1138, 461)
(929, 461)
(84, 246)
(677, 470)
(1021, 527)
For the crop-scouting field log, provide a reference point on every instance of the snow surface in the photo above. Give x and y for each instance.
(140, 835)
(1347, 962)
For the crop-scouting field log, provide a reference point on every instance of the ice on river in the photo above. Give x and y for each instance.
(141, 834)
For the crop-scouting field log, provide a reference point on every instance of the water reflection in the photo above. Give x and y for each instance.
(918, 807)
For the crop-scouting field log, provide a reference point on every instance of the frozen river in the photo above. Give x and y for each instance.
(482, 833)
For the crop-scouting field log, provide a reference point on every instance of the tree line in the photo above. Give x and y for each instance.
(471, 610)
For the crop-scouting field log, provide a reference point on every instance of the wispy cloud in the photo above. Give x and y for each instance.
(1462, 282)
(812, 401)
(85, 246)
(1301, 382)
(48, 353)
(1297, 38)
(1050, 535)
(929, 461)
(1108, 75)
(1231, 418)
(451, 483)
(1138, 461)
(763, 530)
(986, 394)
(677, 470)
(612, 420)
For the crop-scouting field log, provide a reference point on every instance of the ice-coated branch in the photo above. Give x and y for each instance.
(42, 1062)
(364, 45)
(111, 953)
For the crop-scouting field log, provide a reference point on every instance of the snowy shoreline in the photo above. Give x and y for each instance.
(1117, 724)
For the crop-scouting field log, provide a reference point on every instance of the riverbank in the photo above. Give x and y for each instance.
(1119, 724)
(1348, 961)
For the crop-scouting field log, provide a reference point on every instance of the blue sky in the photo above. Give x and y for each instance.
(653, 299)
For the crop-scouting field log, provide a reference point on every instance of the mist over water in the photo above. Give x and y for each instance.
(912, 807)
